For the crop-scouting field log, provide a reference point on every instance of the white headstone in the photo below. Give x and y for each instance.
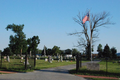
(8, 58)
(21, 57)
(46, 59)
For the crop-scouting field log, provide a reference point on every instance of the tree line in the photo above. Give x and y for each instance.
(18, 43)
(107, 51)
(57, 51)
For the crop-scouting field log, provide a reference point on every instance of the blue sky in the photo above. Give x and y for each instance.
(51, 20)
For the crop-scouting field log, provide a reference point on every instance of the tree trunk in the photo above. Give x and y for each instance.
(88, 52)
(21, 52)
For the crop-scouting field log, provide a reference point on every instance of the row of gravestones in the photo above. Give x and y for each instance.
(59, 59)
(56, 57)
(7, 58)
(50, 59)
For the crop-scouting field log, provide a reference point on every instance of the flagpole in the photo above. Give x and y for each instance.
(90, 37)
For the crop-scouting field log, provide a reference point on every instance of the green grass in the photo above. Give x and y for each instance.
(113, 70)
(16, 65)
(41, 64)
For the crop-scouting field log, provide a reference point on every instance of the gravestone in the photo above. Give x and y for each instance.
(61, 58)
(21, 57)
(75, 58)
(4, 57)
(30, 54)
(52, 59)
(27, 62)
(49, 59)
(8, 59)
(93, 66)
(14, 55)
(46, 59)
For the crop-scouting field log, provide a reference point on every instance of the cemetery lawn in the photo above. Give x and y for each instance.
(113, 70)
(18, 66)
(14, 65)
(41, 64)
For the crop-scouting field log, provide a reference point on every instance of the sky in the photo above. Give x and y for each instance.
(52, 20)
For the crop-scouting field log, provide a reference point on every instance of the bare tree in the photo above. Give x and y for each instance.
(95, 21)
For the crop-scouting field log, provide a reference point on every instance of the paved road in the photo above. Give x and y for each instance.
(58, 73)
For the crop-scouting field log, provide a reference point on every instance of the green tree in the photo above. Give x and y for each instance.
(56, 50)
(62, 52)
(0, 51)
(7, 52)
(32, 46)
(114, 51)
(49, 51)
(95, 21)
(99, 50)
(33, 43)
(39, 51)
(18, 43)
(107, 51)
(74, 52)
(68, 51)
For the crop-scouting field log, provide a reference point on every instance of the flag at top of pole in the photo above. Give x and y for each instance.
(86, 18)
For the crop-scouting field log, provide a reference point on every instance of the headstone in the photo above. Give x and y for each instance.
(61, 58)
(66, 60)
(4, 57)
(14, 55)
(46, 59)
(36, 58)
(27, 62)
(93, 66)
(21, 57)
(52, 59)
(55, 57)
(49, 59)
(75, 58)
(8, 58)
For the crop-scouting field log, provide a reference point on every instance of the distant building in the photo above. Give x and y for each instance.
(68, 55)
(118, 54)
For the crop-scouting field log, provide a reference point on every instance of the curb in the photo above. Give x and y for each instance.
(8, 72)
(102, 77)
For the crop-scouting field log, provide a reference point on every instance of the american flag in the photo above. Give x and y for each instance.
(86, 18)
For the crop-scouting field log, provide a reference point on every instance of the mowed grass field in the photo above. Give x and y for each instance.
(113, 70)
